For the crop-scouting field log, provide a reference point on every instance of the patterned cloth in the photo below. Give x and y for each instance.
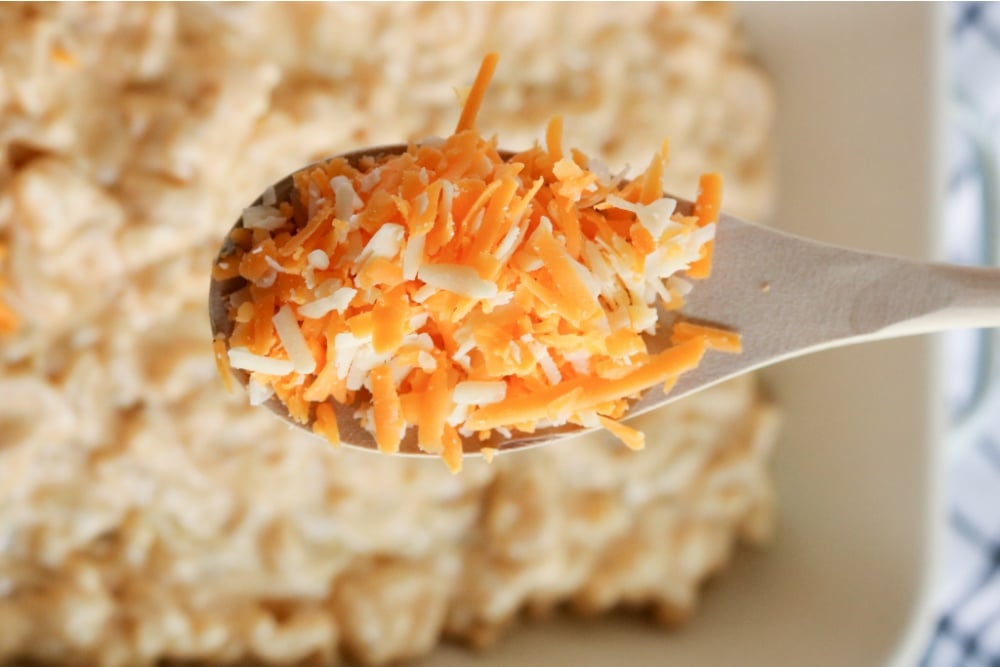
(967, 633)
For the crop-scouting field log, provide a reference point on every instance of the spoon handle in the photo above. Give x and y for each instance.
(938, 297)
(789, 296)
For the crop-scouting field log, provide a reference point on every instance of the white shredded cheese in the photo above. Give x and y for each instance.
(327, 287)
(509, 243)
(263, 217)
(273, 263)
(399, 372)
(346, 200)
(364, 361)
(422, 201)
(267, 280)
(458, 279)
(580, 360)
(424, 293)
(461, 355)
(458, 415)
(386, 242)
(684, 250)
(515, 352)
(703, 235)
(413, 255)
(463, 361)
(479, 392)
(259, 393)
(643, 317)
(600, 170)
(418, 320)
(318, 260)
(655, 216)
(244, 359)
(599, 267)
(338, 301)
(447, 195)
(314, 200)
(370, 179)
(679, 285)
(659, 288)
(293, 341)
(589, 419)
(422, 340)
(618, 319)
(361, 367)
(345, 346)
(426, 361)
(477, 221)
(527, 261)
(544, 359)
(502, 298)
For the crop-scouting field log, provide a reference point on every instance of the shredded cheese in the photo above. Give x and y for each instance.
(318, 260)
(479, 393)
(338, 301)
(9, 319)
(222, 363)
(632, 438)
(259, 393)
(326, 423)
(293, 341)
(462, 295)
(457, 279)
(246, 360)
(267, 218)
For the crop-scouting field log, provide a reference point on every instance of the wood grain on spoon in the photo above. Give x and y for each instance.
(785, 295)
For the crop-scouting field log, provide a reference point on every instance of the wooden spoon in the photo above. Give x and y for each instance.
(786, 296)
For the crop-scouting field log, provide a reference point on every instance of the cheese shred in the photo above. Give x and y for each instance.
(9, 320)
(460, 294)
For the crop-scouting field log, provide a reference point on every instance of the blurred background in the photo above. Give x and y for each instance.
(145, 515)
(968, 588)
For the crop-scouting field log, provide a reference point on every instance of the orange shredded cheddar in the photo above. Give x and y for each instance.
(452, 449)
(64, 57)
(553, 138)
(632, 438)
(436, 406)
(706, 209)
(387, 409)
(389, 319)
(474, 100)
(448, 292)
(592, 390)
(9, 319)
(222, 363)
(652, 181)
(325, 424)
(715, 339)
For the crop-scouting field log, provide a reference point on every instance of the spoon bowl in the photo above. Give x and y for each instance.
(786, 296)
